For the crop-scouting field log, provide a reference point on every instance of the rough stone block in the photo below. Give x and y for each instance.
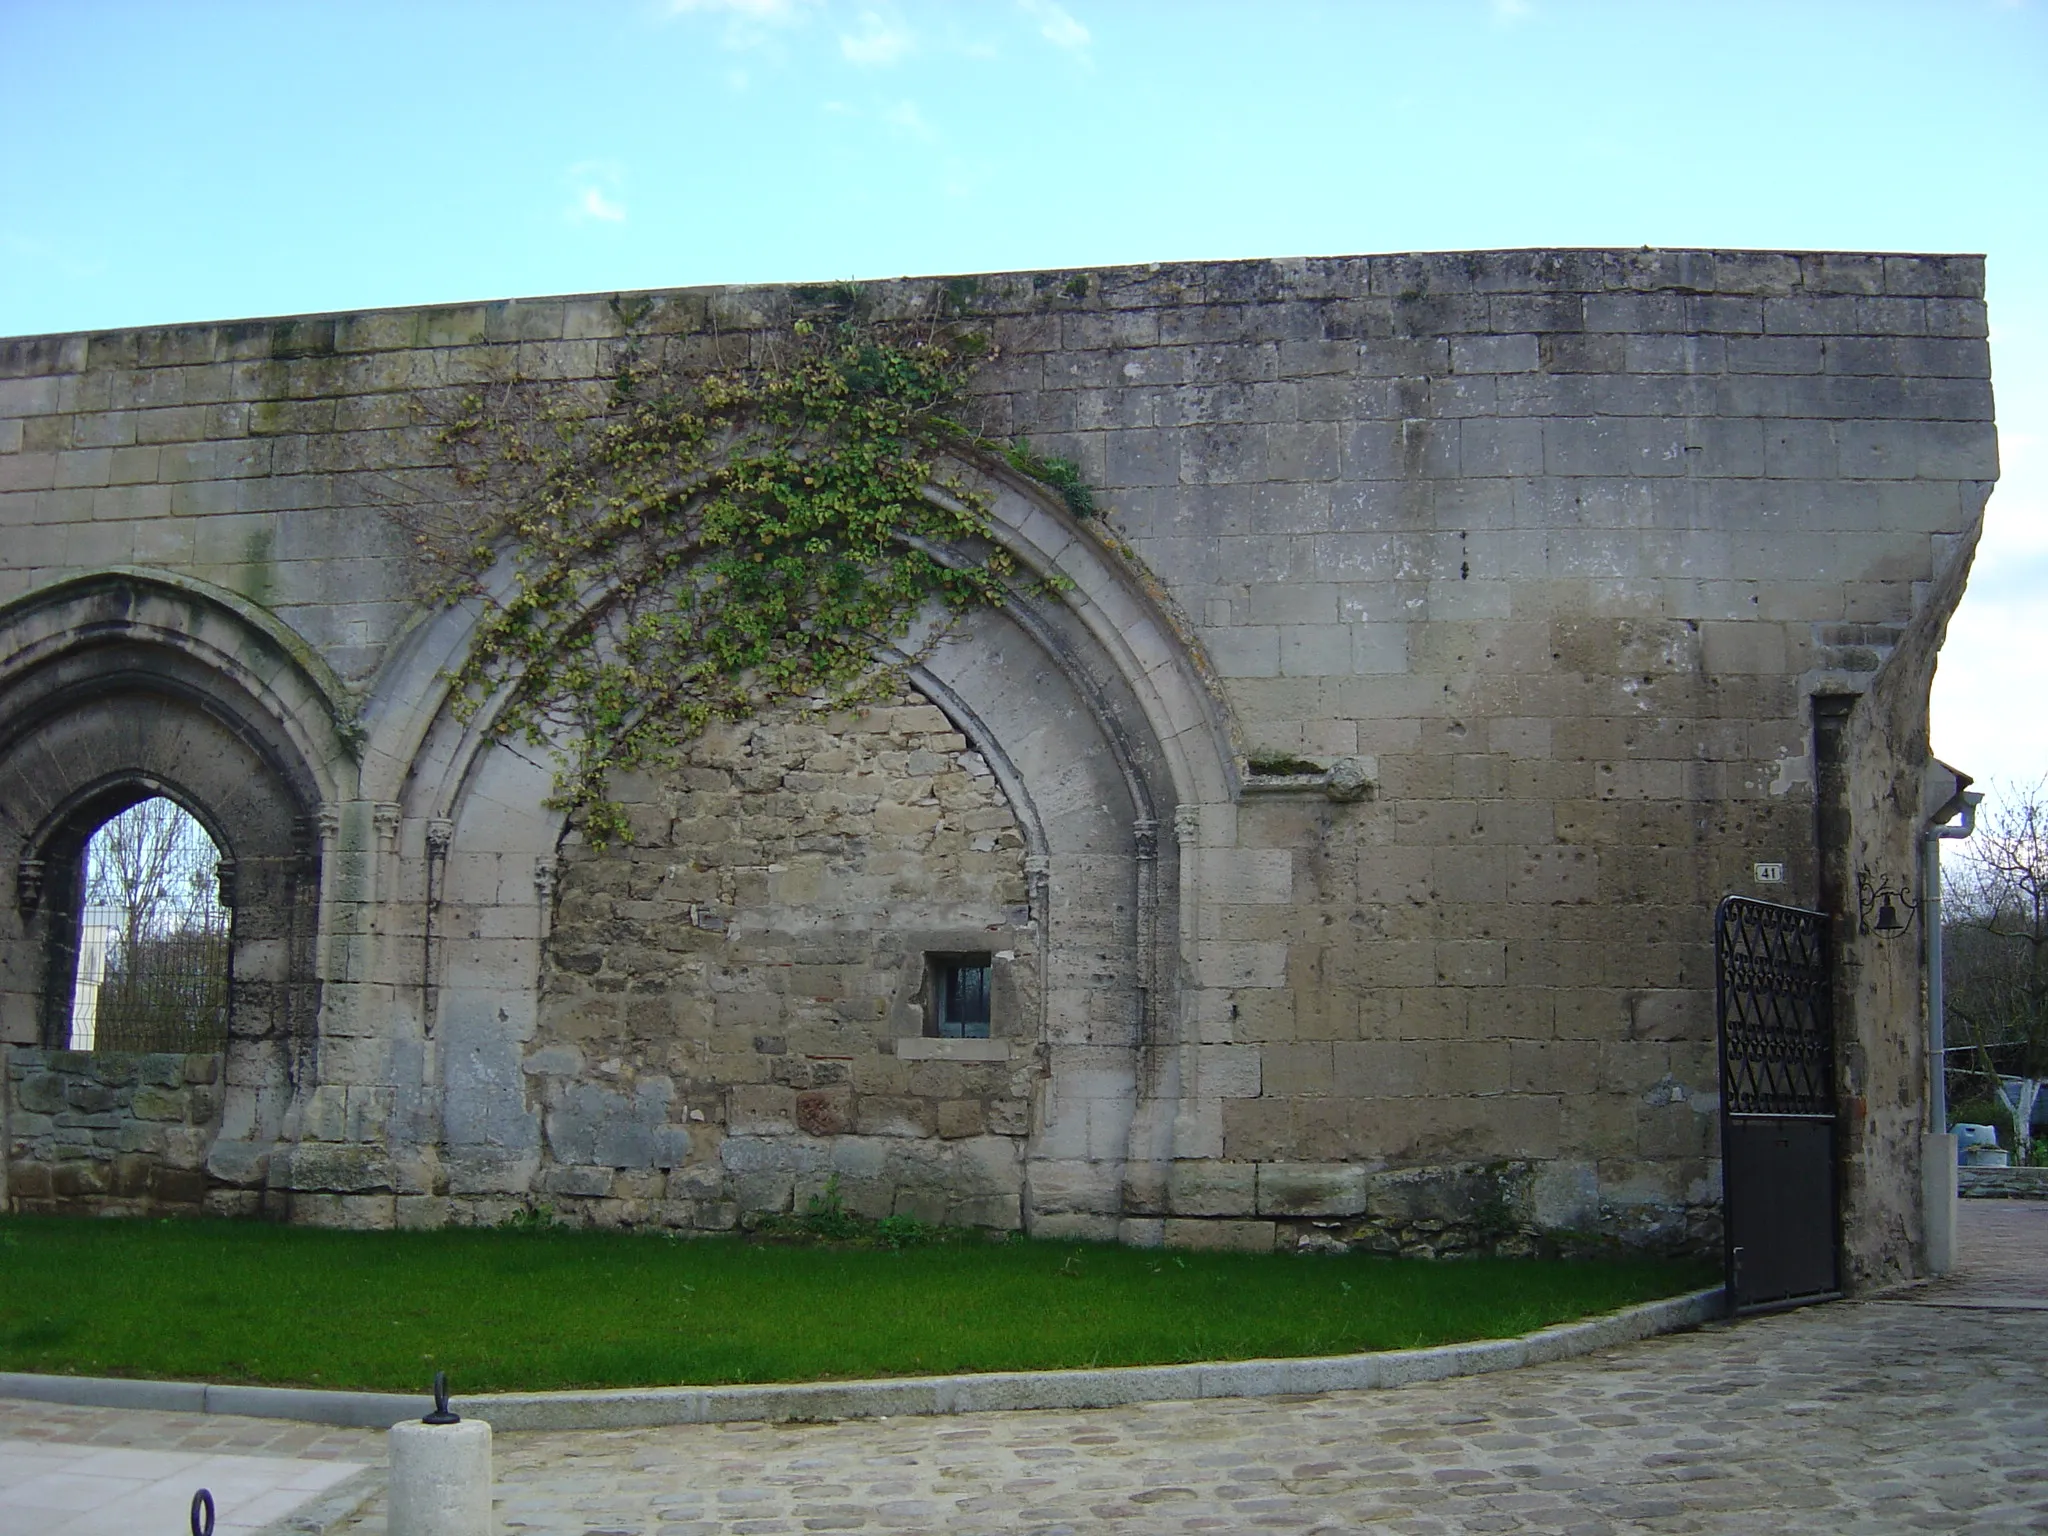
(91, 1098)
(177, 1186)
(760, 1111)
(43, 1093)
(962, 1117)
(29, 1181)
(1309, 1189)
(763, 1192)
(81, 1178)
(161, 1070)
(1206, 1188)
(587, 1182)
(824, 1111)
(326, 1114)
(885, 1115)
(1220, 1236)
(244, 1163)
(715, 1215)
(157, 1104)
(419, 1213)
(1001, 1212)
(1074, 1227)
(337, 1167)
(138, 1136)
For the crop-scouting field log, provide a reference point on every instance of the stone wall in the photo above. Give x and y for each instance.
(734, 1005)
(2002, 1183)
(1543, 556)
(111, 1132)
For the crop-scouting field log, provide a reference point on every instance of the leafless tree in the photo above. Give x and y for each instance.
(155, 939)
(1995, 947)
(152, 863)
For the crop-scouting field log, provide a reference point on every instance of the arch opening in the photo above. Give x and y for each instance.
(195, 1037)
(149, 952)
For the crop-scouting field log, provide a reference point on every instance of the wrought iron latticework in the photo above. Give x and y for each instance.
(1777, 1019)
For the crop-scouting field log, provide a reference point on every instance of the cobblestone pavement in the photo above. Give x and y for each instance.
(2004, 1257)
(1924, 1411)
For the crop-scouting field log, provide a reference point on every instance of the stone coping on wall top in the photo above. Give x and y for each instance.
(2002, 1183)
(1409, 275)
(644, 1407)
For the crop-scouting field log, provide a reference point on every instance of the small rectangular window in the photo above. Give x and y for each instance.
(959, 994)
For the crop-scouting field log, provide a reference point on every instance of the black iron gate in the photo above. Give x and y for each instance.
(1780, 1200)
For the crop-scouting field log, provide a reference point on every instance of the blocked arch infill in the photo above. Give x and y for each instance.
(1136, 686)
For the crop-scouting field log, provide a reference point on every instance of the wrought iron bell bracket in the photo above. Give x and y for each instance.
(1885, 907)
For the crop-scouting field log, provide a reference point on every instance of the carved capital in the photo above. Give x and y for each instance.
(1145, 834)
(28, 884)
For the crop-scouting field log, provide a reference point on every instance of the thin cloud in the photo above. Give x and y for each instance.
(773, 12)
(881, 40)
(595, 188)
(962, 179)
(31, 250)
(748, 23)
(905, 117)
(1057, 26)
(1508, 12)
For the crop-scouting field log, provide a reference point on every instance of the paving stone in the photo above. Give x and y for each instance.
(1907, 1413)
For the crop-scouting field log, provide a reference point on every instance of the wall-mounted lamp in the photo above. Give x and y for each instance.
(1886, 908)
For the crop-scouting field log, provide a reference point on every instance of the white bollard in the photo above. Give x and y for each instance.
(1938, 1201)
(440, 1479)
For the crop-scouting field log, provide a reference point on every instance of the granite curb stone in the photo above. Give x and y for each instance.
(328, 1511)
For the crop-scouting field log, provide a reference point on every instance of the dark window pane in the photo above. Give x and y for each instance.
(963, 999)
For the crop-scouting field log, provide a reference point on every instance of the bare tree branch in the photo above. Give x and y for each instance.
(1995, 941)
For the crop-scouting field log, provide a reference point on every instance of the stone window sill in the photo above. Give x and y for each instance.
(924, 1048)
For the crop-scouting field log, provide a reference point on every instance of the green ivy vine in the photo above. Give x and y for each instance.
(690, 544)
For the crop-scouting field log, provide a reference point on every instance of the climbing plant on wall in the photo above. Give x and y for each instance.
(681, 544)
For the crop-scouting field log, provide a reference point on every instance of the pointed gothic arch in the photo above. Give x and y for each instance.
(121, 685)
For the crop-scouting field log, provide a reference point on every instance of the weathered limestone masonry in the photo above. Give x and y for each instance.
(147, 1119)
(1343, 840)
(762, 945)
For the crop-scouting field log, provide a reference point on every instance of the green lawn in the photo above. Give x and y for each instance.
(519, 1310)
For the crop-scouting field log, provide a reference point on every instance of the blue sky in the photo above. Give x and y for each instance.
(198, 161)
